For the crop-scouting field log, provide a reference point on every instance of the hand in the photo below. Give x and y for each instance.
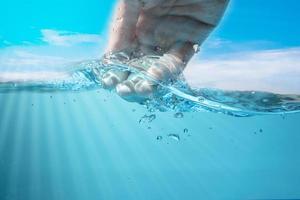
(172, 30)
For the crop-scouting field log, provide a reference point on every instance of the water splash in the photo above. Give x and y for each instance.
(176, 96)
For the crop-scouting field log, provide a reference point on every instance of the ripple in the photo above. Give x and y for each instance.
(174, 96)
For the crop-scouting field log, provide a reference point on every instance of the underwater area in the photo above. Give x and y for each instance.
(228, 128)
(83, 146)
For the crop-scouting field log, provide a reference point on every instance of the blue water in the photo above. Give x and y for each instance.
(177, 96)
(72, 139)
(90, 145)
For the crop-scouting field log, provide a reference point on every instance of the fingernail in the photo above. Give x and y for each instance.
(144, 87)
(109, 81)
(123, 89)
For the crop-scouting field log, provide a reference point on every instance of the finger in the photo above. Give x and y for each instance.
(162, 70)
(124, 24)
(135, 87)
(166, 68)
(113, 77)
(145, 88)
(182, 52)
(126, 88)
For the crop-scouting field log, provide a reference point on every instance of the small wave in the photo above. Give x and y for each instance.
(176, 96)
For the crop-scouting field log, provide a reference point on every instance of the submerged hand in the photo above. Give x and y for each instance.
(169, 29)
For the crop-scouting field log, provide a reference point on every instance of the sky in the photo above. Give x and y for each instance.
(35, 33)
(274, 21)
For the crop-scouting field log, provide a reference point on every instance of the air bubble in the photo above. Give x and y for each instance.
(159, 137)
(174, 137)
(158, 49)
(178, 115)
(201, 99)
(147, 118)
(265, 100)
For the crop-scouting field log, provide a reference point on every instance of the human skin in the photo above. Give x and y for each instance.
(169, 29)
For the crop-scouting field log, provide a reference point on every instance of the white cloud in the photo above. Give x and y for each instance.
(29, 62)
(66, 38)
(264, 70)
(217, 43)
(15, 77)
(62, 48)
(275, 70)
(24, 58)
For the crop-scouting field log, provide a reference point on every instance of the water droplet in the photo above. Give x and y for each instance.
(260, 130)
(120, 19)
(185, 130)
(158, 49)
(174, 137)
(201, 99)
(159, 137)
(51, 97)
(151, 110)
(178, 115)
(265, 100)
(196, 48)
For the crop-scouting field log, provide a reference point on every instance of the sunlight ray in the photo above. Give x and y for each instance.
(35, 148)
(54, 148)
(18, 152)
(10, 100)
(70, 151)
(83, 147)
(97, 138)
(153, 175)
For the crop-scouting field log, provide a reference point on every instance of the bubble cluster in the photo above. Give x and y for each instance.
(147, 118)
